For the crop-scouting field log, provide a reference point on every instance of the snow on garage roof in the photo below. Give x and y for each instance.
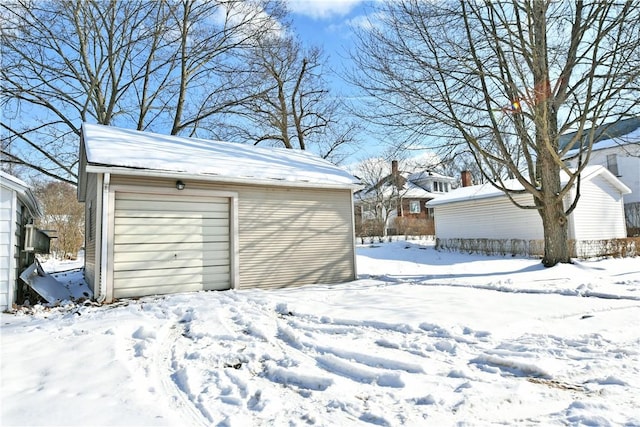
(107, 147)
(485, 191)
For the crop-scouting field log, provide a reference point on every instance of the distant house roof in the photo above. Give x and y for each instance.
(133, 152)
(23, 191)
(411, 188)
(485, 191)
(430, 175)
(606, 132)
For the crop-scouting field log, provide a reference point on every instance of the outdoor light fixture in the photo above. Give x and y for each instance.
(180, 185)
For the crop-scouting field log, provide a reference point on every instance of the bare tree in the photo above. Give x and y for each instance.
(294, 107)
(165, 65)
(506, 79)
(381, 198)
(62, 214)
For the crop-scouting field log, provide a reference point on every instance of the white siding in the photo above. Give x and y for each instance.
(7, 253)
(600, 212)
(169, 243)
(491, 218)
(628, 159)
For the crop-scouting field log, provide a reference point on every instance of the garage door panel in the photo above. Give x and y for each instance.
(185, 275)
(142, 197)
(164, 264)
(164, 206)
(183, 220)
(172, 258)
(217, 226)
(176, 247)
(170, 243)
(134, 239)
(156, 290)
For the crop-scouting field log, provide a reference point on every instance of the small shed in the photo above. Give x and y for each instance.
(18, 208)
(168, 214)
(484, 212)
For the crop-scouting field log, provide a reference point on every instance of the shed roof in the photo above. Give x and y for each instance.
(485, 191)
(24, 193)
(110, 149)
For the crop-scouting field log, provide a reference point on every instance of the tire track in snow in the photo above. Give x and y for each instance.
(173, 383)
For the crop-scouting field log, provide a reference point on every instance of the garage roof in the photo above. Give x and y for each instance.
(485, 191)
(110, 149)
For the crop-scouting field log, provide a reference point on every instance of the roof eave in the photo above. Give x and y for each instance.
(117, 170)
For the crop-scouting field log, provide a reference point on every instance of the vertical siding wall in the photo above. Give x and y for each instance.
(7, 249)
(287, 236)
(13, 216)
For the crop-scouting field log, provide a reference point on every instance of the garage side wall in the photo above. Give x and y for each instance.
(286, 236)
(491, 218)
(91, 213)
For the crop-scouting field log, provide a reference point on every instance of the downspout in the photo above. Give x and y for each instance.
(104, 221)
(353, 232)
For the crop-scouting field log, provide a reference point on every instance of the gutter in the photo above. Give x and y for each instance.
(218, 178)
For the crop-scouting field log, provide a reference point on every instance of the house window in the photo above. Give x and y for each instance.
(612, 164)
(414, 206)
(430, 212)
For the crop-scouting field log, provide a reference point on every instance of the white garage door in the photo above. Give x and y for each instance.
(166, 244)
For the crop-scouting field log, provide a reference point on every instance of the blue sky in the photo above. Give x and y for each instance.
(328, 24)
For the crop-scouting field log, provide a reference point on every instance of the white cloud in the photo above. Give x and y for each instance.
(322, 9)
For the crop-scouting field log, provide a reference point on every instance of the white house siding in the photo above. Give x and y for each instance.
(8, 223)
(628, 160)
(170, 243)
(286, 236)
(489, 218)
(599, 214)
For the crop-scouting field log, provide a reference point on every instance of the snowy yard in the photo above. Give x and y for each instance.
(423, 338)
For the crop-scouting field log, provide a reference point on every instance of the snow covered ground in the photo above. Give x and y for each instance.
(423, 338)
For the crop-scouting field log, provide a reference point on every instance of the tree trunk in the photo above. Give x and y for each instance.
(556, 234)
(554, 220)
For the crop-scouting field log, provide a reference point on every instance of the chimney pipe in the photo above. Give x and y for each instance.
(394, 167)
(466, 179)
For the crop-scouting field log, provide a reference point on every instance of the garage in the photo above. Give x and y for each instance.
(167, 214)
(167, 243)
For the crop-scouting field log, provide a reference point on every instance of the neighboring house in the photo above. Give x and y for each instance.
(484, 212)
(397, 203)
(616, 147)
(18, 209)
(169, 214)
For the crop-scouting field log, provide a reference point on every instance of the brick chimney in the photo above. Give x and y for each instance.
(467, 181)
(394, 167)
